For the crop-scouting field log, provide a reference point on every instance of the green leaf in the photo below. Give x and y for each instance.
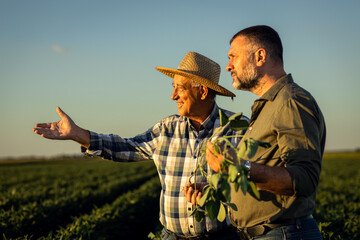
(219, 196)
(231, 205)
(212, 209)
(222, 213)
(225, 190)
(193, 212)
(204, 196)
(151, 235)
(236, 186)
(253, 190)
(252, 146)
(215, 179)
(236, 116)
(242, 150)
(206, 187)
(238, 125)
(199, 216)
(223, 118)
(243, 183)
(233, 172)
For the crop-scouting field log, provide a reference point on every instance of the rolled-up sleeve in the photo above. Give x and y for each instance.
(116, 148)
(299, 137)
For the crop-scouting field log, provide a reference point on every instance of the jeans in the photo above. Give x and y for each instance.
(305, 229)
(226, 234)
(302, 230)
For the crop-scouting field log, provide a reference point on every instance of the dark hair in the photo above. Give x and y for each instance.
(264, 37)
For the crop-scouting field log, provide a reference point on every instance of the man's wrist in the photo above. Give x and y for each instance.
(83, 137)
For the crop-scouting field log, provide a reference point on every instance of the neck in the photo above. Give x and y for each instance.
(196, 124)
(206, 110)
(267, 81)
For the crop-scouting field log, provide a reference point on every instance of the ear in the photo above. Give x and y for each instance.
(204, 91)
(260, 57)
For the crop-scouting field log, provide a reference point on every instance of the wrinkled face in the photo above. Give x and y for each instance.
(242, 65)
(188, 98)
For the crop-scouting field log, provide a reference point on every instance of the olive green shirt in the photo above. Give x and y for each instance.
(288, 118)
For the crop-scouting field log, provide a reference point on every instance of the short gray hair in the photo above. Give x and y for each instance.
(194, 83)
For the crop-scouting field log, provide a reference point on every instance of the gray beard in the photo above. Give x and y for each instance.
(246, 84)
(248, 80)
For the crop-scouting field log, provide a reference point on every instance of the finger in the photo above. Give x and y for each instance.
(43, 125)
(198, 197)
(44, 133)
(40, 130)
(61, 113)
(188, 194)
(193, 197)
(185, 190)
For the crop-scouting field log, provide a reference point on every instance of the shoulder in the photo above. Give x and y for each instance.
(292, 91)
(295, 99)
(171, 120)
(292, 94)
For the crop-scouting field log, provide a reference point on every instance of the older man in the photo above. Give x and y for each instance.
(287, 117)
(174, 144)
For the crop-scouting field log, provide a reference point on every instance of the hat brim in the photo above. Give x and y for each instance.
(216, 87)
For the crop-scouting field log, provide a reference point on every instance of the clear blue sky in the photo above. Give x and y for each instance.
(97, 59)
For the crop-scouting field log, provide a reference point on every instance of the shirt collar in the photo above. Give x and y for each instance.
(210, 120)
(273, 91)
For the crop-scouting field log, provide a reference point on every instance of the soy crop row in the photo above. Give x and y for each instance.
(82, 198)
(337, 209)
(38, 198)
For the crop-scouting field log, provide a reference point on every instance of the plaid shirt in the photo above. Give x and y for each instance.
(174, 146)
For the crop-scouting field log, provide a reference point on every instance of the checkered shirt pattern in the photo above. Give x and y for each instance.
(174, 146)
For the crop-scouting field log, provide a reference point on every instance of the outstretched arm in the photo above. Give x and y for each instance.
(65, 129)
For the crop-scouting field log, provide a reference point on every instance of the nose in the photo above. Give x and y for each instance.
(229, 66)
(174, 95)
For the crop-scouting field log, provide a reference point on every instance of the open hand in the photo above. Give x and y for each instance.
(60, 130)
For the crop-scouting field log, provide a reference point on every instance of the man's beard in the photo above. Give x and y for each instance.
(248, 79)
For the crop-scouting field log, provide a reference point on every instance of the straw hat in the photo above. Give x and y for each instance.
(200, 69)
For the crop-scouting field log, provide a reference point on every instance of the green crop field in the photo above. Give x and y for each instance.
(78, 199)
(90, 198)
(338, 196)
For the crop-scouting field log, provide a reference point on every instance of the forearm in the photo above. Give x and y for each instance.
(115, 148)
(82, 137)
(273, 179)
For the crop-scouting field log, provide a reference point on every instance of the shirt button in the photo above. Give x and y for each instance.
(191, 226)
(189, 209)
